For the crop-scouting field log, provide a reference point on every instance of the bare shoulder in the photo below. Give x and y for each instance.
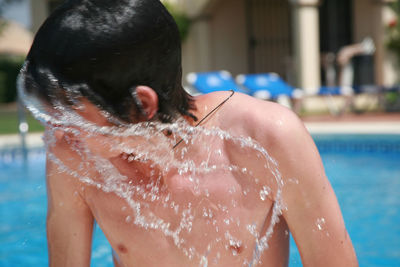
(267, 122)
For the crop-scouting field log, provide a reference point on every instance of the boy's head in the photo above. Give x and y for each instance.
(103, 50)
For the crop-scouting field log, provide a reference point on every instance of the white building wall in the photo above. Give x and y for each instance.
(196, 49)
(229, 37)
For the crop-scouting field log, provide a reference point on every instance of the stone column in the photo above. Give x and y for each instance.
(306, 44)
(200, 42)
(390, 72)
(39, 13)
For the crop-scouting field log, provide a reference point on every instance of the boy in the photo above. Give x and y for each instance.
(105, 77)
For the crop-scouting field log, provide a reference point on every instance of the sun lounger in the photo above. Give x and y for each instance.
(271, 86)
(207, 82)
(267, 86)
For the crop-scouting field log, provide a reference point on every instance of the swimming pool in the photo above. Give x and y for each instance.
(364, 171)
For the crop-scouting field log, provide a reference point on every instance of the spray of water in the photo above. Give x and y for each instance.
(199, 162)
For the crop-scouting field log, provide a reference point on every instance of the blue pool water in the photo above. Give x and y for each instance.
(364, 172)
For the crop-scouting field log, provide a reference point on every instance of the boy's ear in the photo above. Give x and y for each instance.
(148, 99)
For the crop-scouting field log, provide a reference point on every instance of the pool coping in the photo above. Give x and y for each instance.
(353, 127)
(34, 140)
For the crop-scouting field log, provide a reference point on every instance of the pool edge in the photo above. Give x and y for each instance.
(353, 127)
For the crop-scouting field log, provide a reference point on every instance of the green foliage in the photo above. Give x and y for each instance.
(9, 122)
(392, 101)
(181, 19)
(9, 70)
(392, 97)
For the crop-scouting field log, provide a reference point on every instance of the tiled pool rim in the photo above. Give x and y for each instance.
(368, 128)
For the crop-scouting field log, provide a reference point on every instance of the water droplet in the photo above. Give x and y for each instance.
(264, 193)
(320, 223)
(293, 181)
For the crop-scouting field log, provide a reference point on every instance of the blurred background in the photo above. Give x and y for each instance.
(310, 44)
(336, 63)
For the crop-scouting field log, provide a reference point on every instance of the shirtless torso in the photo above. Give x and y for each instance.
(312, 214)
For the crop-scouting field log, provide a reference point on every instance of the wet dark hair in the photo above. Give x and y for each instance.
(103, 49)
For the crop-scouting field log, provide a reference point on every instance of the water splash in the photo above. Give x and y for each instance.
(198, 198)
